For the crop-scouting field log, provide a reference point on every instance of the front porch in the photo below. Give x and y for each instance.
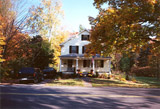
(85, 64)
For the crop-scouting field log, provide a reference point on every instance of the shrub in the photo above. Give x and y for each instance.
(122, 79)
(97, 74)
(105, 76)
(133, 80)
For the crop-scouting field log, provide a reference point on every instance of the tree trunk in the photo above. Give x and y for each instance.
(127, 75)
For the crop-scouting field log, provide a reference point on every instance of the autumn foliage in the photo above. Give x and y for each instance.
(126, 26)
(2, 38)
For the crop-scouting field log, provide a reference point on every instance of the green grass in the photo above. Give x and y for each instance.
(148, 81)
(66, 82)
(141, 82)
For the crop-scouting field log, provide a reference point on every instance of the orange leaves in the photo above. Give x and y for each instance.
(2, 42)
(152, 1)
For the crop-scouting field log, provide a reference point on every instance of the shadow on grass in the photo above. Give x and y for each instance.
(67, 82)
(142, 82)
(102, 82)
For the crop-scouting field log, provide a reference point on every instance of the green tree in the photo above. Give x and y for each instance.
(42, 53)
(126, 63)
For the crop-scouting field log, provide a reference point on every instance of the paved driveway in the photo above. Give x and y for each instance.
(39, 96)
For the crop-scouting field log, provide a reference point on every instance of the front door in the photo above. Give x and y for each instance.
(70, 64)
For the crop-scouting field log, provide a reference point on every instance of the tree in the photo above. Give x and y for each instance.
(125, 25)
(13, 21)
(143, 59)
(12, 35)
(45, 19)
(126, 63)
(2, 38)
(81, 28)
(55, 44)
(42, 54)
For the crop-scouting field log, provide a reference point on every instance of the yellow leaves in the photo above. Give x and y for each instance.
(111, 10)
(136, 26)
(2, 42)
(134, 48)
(2, 60)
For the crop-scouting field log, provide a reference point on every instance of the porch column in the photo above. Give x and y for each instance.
(76, 65)
(109, 66)
(60, 65)
(93, 65)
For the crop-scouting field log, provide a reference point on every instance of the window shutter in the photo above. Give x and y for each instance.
(88, 37)
(102, 63)
(82, 37)
(77, 48)
(70, 49)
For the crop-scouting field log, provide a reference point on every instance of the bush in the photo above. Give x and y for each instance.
(105, 76)
(133, 80)
(97, 74)
(122, 79)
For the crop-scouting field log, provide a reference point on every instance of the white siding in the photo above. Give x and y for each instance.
(74, 42)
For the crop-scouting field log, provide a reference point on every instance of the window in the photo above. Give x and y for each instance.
(99, 63)
(83, 49)
(87, 63)
(73, 49)
(85, 37)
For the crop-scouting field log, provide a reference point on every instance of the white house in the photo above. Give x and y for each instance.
(72, 56)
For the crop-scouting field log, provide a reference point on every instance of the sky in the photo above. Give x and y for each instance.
(76, 13)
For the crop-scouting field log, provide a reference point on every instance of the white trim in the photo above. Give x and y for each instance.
(76, 65)
(60, 69)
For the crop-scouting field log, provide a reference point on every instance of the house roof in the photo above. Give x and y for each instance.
(73, 36)
(74, 55)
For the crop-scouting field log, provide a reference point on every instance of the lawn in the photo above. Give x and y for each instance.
(66, 82)
(143, 82)
(148, 81)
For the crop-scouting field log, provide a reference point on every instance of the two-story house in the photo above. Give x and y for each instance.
(72, 56)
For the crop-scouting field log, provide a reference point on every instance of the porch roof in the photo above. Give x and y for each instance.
(81, 56)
